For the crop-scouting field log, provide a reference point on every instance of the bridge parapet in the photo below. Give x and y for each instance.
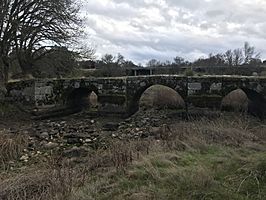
(22, 91)
(48, 93)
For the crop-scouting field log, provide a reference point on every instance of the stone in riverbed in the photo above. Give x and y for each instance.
(74, 135)
(111, 126)
(75, 152)
(155, 131)
(50, 145)
(24, 158)
(74, 141)
(87, 140)
(44, 135)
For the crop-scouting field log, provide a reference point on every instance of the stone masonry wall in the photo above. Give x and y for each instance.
(121, 94)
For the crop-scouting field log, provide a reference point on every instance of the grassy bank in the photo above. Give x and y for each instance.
(223, 158)
(216, 173)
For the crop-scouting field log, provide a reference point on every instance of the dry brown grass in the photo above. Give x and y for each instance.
(217, 173)
(11, 147)
(41, 184)
(53, 180)
(187, 159)
(57, 178)
(235, 132)
(119, 155)
(206, 159)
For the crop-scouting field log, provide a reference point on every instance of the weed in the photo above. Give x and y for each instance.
(11, 148)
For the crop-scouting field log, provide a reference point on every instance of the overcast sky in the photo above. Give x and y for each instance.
(162, 29)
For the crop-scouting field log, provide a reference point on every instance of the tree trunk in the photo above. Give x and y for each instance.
(4, 66)
(26, 67)
(2, 84)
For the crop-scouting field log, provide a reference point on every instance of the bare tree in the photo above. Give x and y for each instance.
(179, 61)
(110, 65)
(216, 60)
(237, 57)
(108, 59)
(153, 63)
(120, 60)
(228, 56)
(43, 22)
(249, 53)
(167, 63)
(29, 26)
(7, 34)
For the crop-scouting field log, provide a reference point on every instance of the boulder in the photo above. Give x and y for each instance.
(44, 135)
(50, 145)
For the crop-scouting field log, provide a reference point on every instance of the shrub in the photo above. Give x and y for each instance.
(189, 72)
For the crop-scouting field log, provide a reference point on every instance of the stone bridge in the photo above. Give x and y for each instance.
(120, 95)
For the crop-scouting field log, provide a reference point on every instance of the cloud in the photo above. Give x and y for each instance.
(162, 29)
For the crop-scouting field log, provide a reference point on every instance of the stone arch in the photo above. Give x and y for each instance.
(235, 100)
(133, 102)
(81, 97)
(255, 104)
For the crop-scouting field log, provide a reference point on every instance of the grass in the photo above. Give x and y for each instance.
(42, 182)
(11, 148)
(222, 158)
(219, 173)
(206, 159)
